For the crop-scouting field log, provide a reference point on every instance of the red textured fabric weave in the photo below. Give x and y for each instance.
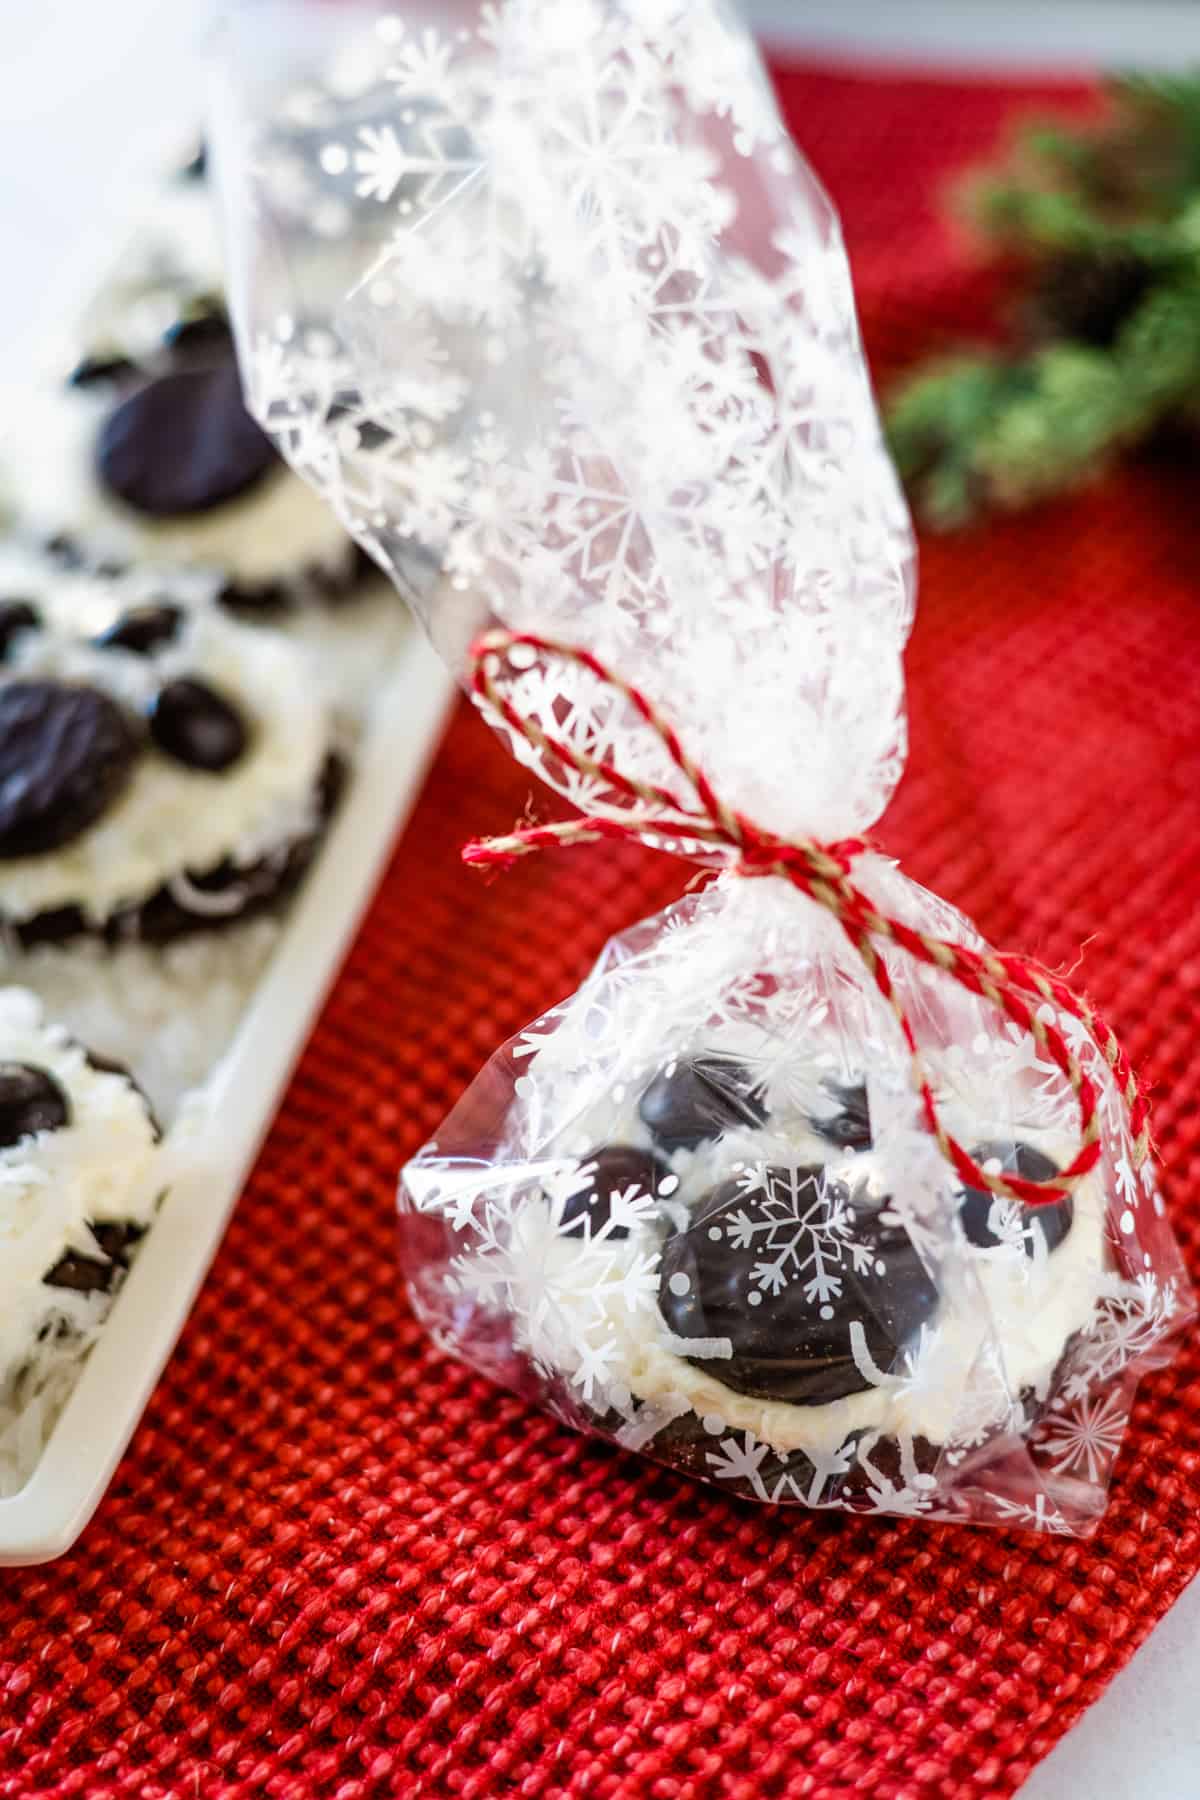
(336, 1564)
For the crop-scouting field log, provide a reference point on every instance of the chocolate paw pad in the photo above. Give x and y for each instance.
(989, 1221)
(799, 1282)
(67, 753)
(196, 726)
(848, 1124)
(614, 1169)
(30, 1101)
(83, 1274)
(184, 443)
(143, 630)
(15, 616)
(699, 1098)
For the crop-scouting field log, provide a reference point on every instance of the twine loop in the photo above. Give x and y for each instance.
(1014, 985)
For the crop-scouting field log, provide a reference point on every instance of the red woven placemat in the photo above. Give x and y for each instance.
(336, 1564)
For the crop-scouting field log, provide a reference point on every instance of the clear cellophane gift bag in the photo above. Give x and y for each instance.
(805, 1191)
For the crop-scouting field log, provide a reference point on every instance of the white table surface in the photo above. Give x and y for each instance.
(86, 85)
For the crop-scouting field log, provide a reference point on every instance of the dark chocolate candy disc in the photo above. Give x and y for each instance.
(269, 599)
(784, 1273)
(255, 600)
(848, 1123)
(193, 724)
(183, 443)
(143, 629)
(82, 1274)
(698, 1098)
(1053, 1222)
(15, 616)
(617, 1167)
(199, 332)
(66, 754)
(101, 368)
(30, 1101)
(208, 900)
(781, 1476)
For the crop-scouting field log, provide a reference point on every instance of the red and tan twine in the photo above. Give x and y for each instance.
(1015, 986)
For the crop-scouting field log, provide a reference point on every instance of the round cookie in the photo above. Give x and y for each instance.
(163, 770)
(81, 1179)
(151, 456)
(137, 445)
(351, 650)
(766, 1313)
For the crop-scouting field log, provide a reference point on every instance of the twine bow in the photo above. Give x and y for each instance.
(1014, 985)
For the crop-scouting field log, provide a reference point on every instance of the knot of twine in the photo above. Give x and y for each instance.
(1014, 985)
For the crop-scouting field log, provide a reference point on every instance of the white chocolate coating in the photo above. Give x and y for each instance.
(1002, 1320)
(104, 1165)
(173, 257)
(277, 530)
(352, 646)
(1028, 1309)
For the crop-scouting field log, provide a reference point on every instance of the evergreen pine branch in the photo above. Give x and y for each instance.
(979, 431)
(1106, 221)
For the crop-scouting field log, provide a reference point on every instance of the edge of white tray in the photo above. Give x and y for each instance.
(216, 1141)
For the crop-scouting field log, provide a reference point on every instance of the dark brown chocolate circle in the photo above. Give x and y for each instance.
(30, 1101)
(82, 1274)
(1053, 1221)
(848, 1124)
(783, 1273)
(100, 369)
(201, 331)
(16, 616)
(616, 1167)
(255, 600)
(269, 599)
(243, 890)
(66, 754)
(183, 443)
(699, 1098)
(194, 725)
(143, 629)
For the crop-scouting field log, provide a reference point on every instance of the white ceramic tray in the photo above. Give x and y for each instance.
(224, 1131)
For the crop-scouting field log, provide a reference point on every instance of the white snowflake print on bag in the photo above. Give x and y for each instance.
(705, 1208)
(805, 1191)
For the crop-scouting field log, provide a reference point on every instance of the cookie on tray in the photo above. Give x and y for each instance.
(81, 1178)
(136, 444)
(718, 1273)
(163, 769)
(352, 650)
(152, 456)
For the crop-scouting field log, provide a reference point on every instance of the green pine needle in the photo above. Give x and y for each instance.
(1106, 221)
